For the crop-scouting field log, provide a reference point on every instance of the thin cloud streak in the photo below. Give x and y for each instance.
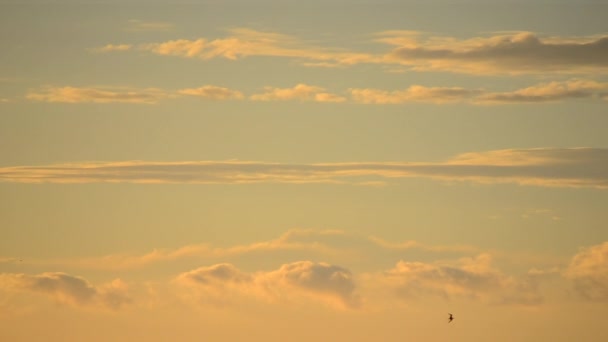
(244, 42)
(512, 53)
(539, 93)
(556, 167)
(301, 92)
(97, 95)
(515, 53)
(325, 243)
(213, 92)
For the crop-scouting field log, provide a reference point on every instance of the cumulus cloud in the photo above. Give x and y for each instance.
(469, 278)
(68, 289)
(560, 167)
(213, 92)
(221, 283)
(588, 270)
(515, 53)
(301, 92)
(97, 95)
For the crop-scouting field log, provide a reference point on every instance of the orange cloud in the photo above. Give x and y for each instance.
(515, 53)
(559, 167)
(213, 92)
(68, 289)
(470, 278)
(414, 93)
(301, 92)
(588, 270)
(97, 95)
(220, 284)
(511, 53)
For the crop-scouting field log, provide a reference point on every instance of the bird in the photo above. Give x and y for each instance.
(451, 318)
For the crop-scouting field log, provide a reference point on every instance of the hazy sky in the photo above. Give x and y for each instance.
(303, 170)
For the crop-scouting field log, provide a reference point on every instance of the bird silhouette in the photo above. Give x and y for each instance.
(451, 318)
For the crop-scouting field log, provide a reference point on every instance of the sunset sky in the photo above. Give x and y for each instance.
(265, 170)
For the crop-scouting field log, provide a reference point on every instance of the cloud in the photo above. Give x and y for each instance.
(113, 47)
(415, 93)
(557, 167)
(320, 242)
(547, 92)
(213, 92)
(221, 284)
(148, 26)
(503, 53)
(553, 91)
(244, 42)
(68, 289)
(417, 245)
(469, 278)
(301, 92)
(97, 95)
(588, 270)
(514, 53)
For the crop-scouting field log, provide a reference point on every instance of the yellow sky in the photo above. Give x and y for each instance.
(321, 171)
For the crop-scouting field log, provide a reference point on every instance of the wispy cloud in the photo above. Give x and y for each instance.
(244, 42)
(68, 289)
(469, 278)
(221, 284)
(514, 53)
(539, 93)
(553, 91)
(301, 92)
(510, 53)
(113, 47)
(317, 242)
(560, 167)
(143, 25)
(414, 93)
(97, 95)
(213, 92)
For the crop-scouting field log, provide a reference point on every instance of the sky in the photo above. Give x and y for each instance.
(303, 170)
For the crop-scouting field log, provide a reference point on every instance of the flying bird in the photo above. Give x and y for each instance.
(451, 318)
